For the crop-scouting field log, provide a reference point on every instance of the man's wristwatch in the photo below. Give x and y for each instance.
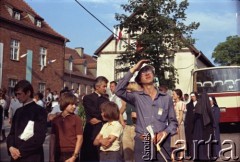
(75, 155)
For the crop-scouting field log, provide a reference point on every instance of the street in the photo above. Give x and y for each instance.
(230, 137)
(3, 147)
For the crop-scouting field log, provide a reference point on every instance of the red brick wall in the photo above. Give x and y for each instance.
(30, 40)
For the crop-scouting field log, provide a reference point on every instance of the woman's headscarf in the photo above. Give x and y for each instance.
(204, 108)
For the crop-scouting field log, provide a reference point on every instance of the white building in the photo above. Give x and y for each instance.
(185, 62)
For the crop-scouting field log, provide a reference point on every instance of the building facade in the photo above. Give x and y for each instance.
(185, 61)
(29, 48)
(80, 71)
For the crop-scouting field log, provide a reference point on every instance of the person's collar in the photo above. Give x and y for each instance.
(112, 122)
(24, 104)
(99, 95)
(65, 115)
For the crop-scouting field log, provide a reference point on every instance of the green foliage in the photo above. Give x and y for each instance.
(81, 113)
(228, 52)
(157, 27)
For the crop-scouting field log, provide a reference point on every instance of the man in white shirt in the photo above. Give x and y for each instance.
(14, 105)
(114, 98)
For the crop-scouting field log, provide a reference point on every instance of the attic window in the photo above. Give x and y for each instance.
(38, 23)
(16, 15)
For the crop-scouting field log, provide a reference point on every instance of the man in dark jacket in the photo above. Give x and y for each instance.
(94, 120)
(31, 118)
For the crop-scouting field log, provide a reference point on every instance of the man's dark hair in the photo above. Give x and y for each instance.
(40, 95)
(65, 89)
(113, 82)
(25, 86)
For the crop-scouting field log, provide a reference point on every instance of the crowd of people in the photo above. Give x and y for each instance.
(136, 122)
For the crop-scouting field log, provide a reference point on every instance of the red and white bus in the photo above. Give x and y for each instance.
(224, 83)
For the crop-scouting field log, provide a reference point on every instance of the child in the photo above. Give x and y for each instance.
(110, 134)
(66, 137)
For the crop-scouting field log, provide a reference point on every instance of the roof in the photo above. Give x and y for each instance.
(26, 12)
(80, 60)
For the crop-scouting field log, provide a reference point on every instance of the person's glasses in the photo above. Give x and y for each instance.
(146, 72)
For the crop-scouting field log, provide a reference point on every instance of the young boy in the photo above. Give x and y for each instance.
(67, 129)
(110, 134)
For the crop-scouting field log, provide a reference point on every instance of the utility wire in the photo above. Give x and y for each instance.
(101, 22)
(95, 17)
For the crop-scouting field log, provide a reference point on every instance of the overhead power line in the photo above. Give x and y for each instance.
(95, 17)
(102, 23)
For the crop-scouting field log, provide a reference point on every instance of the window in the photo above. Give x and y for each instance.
(85, 69)
(43, 57)
(16, 15)
(14, 49)
(11, 85)
(70, 63)
(41, 87)
(120, 69)
(38, 23)
(70, 66)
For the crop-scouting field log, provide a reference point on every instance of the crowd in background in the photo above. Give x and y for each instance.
(117, 125)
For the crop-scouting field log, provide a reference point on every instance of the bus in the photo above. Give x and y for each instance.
(224, 84)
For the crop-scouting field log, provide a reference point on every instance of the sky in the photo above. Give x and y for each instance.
(217, 20)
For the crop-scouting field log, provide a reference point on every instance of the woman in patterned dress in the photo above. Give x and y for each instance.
(178, 140)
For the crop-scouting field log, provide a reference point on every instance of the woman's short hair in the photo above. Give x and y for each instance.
(144, 69)
(66, 99)
(110, 110)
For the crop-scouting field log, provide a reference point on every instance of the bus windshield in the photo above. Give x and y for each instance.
(217, 80)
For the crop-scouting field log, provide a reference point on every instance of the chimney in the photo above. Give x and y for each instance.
(80, 51)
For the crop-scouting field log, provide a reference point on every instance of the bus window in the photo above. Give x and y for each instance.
(218, 86)
(237, 84)
(207, 86)
(229, 85)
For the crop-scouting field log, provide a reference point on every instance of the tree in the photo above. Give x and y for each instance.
(228, 52)
(157, 27)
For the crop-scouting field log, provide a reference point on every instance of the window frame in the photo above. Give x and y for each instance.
(14, 49)
(41, 87)
(43, 52)
(11, 84)
(16, 15)
(38, 23)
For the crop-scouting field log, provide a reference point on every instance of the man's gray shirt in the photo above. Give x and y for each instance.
(158, 113)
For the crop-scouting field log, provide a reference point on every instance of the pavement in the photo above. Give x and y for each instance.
(4, 157)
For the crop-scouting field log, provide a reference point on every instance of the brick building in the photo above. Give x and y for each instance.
(80, 70)
(30, 49)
